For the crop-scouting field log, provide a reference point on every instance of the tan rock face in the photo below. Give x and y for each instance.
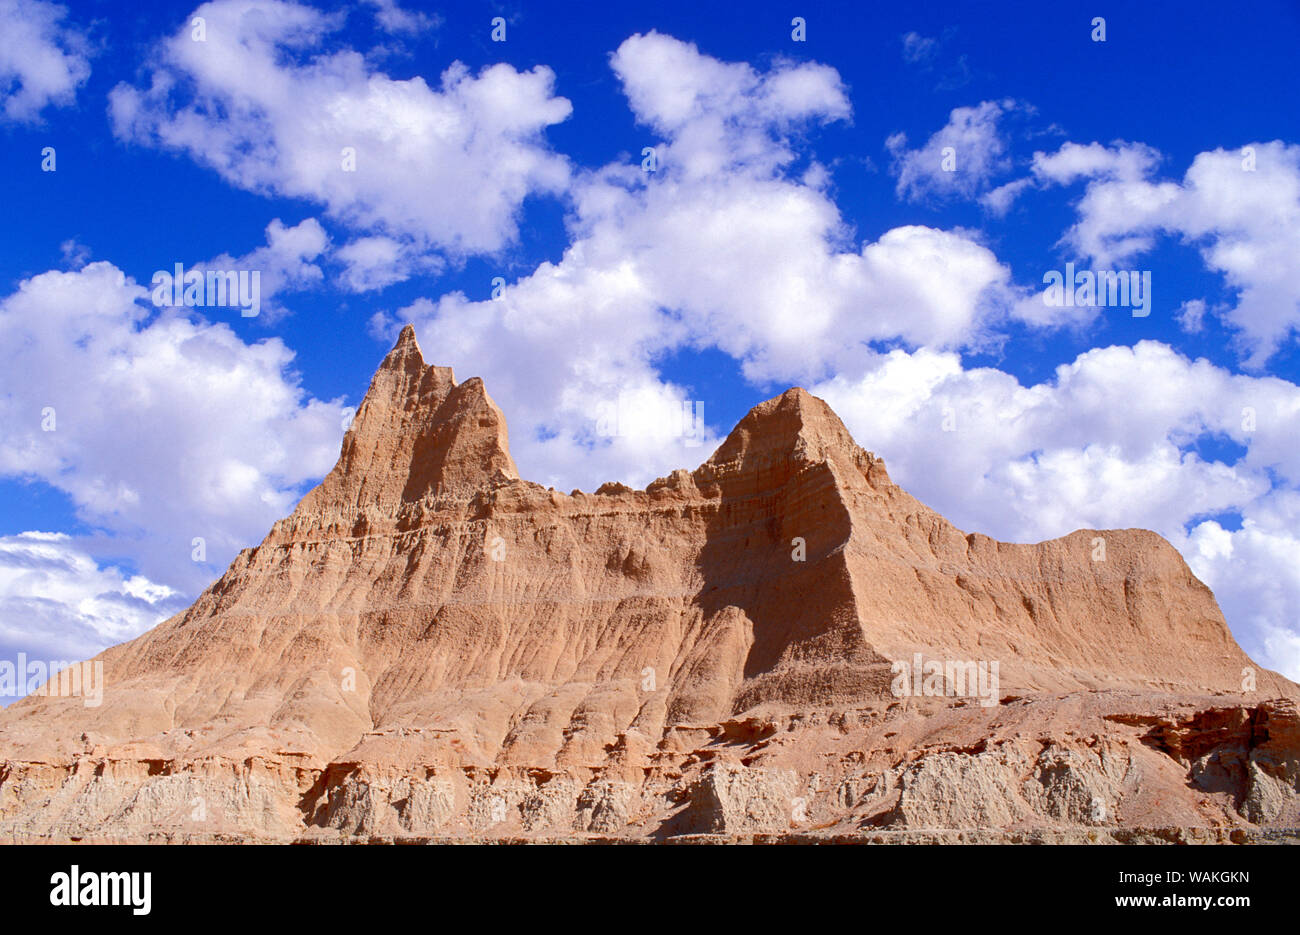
(780, 642)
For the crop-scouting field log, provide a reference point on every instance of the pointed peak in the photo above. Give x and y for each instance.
(406, 337)
(406, 353)
(416, 432)
(793, 426)
(796, 397)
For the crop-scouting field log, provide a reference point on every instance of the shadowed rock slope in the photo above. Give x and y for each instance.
(431, 647)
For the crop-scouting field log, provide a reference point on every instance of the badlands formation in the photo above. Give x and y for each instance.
(431, 648)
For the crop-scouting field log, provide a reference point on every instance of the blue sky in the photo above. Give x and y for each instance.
(869, 212)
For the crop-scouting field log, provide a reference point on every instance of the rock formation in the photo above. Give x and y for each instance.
(779, 645)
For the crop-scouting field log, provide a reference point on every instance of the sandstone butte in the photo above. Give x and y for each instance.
(431, 648)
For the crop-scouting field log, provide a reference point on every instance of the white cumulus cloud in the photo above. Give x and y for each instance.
(58, 604)
(718, 247)
(960, 159)
(161, 429)
(261, 102)
(43, 58)
(1240, 209)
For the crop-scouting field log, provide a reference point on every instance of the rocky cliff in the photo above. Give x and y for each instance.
(780, 644)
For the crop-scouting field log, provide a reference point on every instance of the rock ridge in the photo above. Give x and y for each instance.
(430, 646)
